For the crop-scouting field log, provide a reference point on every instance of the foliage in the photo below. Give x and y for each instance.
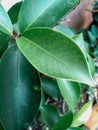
(41, 59)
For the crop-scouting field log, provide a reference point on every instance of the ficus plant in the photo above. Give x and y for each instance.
(41, 57)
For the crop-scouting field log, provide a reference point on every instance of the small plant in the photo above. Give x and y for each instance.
(40, 57)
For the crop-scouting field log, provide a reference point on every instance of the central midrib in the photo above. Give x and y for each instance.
(50, 2)
(46, 51)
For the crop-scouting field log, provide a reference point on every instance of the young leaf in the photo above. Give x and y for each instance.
(83, 115)
(64, 122)
(19, 90)
(91, 64)
(80, 42)
(50, 87)
(5, 23)
(55, 54)
(65, 30)
(91, 39)
(49, 115)
(70, 92)
(14, 12)
(44, 13)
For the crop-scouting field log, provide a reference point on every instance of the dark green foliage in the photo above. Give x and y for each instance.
(20, 92)
(50, 87)
(4, 41)
(49, 115)
(64, 122)
(40, 63)
(14, 12)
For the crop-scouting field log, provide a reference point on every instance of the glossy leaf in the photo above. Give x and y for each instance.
(94, 30)
(4, 41)
(91, 64)
(70, 92)
(50, 87)
(19, 90)
(5, 23)
(55, 54)
(64, 122)
(65, 30)
(44, 13)
(14, 12)
(49, 115)
(80, 42)
(92, 39)
(83, 115)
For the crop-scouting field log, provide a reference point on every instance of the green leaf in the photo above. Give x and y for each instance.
(14, 12)
(43, 98)
(64, 122)
(83, 86)
(70, 92)
(55, 55)
(79, 39)
(92, 39)
(94, 30)
(4, 41)
(49, 115)
(91, 64)
(50, 87)
(83, 115)
(65, 30)
(5, 23)
(44, 13)
(80, 42)
(19, 90)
